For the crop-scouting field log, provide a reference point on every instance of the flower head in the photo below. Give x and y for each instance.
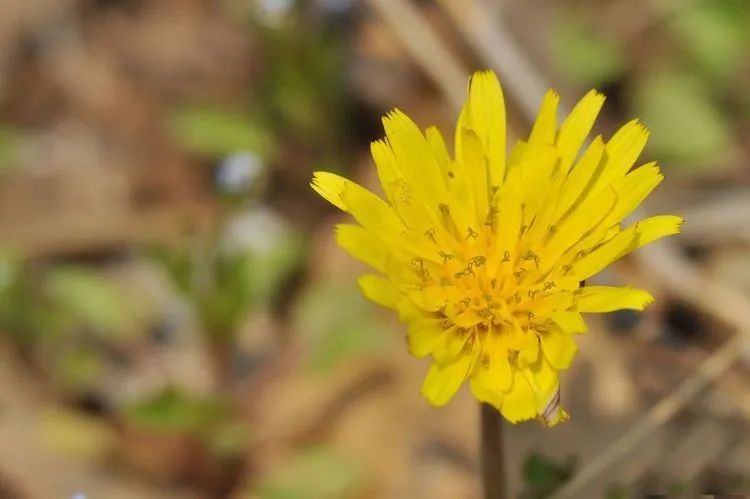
(483, 255)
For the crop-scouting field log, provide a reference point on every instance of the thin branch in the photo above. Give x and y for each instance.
(706, 373)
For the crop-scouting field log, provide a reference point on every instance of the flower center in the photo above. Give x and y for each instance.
(482, 292)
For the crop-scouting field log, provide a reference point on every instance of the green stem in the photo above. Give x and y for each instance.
(492, 453)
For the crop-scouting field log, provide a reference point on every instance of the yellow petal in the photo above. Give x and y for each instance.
(484, 391)
(580, 177)
(520, 401)
(442, 382)
(330, 186)
(468, 319)
(424, 336)
(415, 158)
(608, 253)
(508, 222)
(486, 117)
(635, 236)
(408, 312)
(536, 172)
(577, 127)
(569, 321)
(474, 162)
(380, 290)
(372, 212)
(530, 352)
(653, 228)
(405, 200)
(363, 245)
(587, 218)
(387, 168)
(436, 143)
(552, 413)
(517, 153)
(594, 299)
(497, 374)
(622, 152)
(633, 189)
(452, 347)
(544, 380)
(559, 348)
(545, 127)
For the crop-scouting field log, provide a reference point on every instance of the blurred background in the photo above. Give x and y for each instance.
(176, 320)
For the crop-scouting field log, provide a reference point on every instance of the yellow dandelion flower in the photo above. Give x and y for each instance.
(483, 255)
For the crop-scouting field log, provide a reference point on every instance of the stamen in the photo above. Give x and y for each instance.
(468, 271)
(478, 261)
(445, 256)
(430, 234)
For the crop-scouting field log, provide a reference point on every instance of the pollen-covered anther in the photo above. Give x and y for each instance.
(445, 256)
(477, 261)
(532, 257)
(468, 271)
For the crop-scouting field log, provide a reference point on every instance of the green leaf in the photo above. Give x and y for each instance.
(229, 439)
(87, 297)
(678, 487)
(215, 132)
(319, 473)
(712, 37)
(75, 435)
(338, 322)
(178, 262)
(686, 128)
(342, 343)
(167, 412)
(582, 56)
(80, 369)
(275, 265)
(171, 411)
(9, 148)
(543, 476)
(226, 302)
(617, 491)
